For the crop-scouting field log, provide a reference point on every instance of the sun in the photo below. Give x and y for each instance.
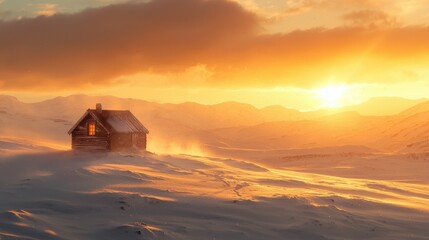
(331, 96)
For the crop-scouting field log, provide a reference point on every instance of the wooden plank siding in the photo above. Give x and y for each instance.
(82, 141)
(98, 143)
(141, 141)
(115, 130)
(128, 141)
(121, 141)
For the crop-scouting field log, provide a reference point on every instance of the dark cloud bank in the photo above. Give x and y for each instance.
(98, 45)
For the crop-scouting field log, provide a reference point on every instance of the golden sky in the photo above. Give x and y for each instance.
(303, 54)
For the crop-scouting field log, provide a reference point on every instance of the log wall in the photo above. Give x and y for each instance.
(141, 141)
(103, 141)
(121, 141)
(128, 141)
(81, 140)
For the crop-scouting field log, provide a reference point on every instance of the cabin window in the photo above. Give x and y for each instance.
(91, 128)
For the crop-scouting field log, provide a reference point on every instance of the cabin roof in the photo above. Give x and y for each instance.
(115, 121)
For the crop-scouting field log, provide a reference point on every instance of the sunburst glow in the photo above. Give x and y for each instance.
(332, 96)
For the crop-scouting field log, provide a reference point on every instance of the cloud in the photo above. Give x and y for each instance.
(299, 6)
(99, 46)
(47, 9)
(371, 18)
(317, 56)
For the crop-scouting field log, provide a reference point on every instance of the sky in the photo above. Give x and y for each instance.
(303, 54)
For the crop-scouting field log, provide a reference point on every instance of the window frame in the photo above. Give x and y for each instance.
(91, 128)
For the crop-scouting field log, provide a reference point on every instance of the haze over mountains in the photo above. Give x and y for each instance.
(227, 171)
(231, 125)
(380, 106)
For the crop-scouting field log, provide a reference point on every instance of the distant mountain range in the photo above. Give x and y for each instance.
(385, 124)
(381, 106)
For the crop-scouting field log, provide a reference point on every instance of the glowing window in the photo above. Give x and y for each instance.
(91, 128)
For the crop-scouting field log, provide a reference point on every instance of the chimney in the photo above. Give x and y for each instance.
(98, 108)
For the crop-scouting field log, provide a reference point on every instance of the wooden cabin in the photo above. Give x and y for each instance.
(108, 130)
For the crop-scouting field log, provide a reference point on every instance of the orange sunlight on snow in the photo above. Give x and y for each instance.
(252, 185)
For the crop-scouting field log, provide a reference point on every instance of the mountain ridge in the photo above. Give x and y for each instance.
(229, 124)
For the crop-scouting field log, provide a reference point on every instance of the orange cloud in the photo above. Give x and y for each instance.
(101, 44)
(47, 9)
(371, 18)
(171, 36)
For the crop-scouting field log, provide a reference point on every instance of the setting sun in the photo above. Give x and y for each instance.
(331, 96)
(214, 119)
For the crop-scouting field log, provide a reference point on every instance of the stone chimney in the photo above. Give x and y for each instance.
(98, 108)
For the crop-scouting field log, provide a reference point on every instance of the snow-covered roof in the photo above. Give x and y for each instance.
(115, 121)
